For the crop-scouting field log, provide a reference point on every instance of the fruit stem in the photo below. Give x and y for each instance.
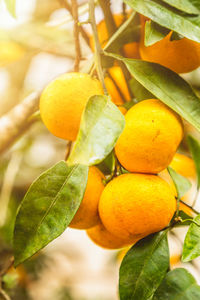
(98, 49)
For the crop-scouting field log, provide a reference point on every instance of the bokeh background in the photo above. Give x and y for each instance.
(36, 47)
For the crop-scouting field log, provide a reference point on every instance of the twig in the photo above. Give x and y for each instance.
(82, 30)
(76, 35)
(98, 49)
(69, 147)
(17, 121)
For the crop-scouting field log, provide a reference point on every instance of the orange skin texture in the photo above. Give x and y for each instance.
(130, 50)
(181, 56)
(87, 215)
(103, 238)
(136, 205)
(150, 138)
(122, 109)
(63, 101)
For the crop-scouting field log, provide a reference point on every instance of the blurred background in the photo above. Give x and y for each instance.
(36, 47)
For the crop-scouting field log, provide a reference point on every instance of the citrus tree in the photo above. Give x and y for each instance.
(124, 115)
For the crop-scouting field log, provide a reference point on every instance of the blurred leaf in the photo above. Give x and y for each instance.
(128, 32)
(143, 267)
(101, 125)
(167, 86)
(139, 90)
(47, 208)
(188, 6)
(191, 247)
(107, 166)
(130, 103)
(181, 183)
(169, 17)
(178, 284)
(194, 147)
(154, 33)
(11, 6)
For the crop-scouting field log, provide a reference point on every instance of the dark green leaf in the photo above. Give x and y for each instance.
(11, 6)
(191, 247)
(107, 166)
(178, 284)
(128, 32)
(144, 267)
(139, 90)
(188, 6)
(169, 17)
(181, 183)
(154, 33)
(167, 86)
(195, 152)
(101, 125)
(47, 208)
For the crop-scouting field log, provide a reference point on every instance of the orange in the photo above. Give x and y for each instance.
(117, 86)
(87, 215)
(181, 56)
(63, 101)
(136, 205)
(130, 50)
(150, 138)
(103, 238)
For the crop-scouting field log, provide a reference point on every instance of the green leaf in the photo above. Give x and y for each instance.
(178, 284)
(139, 90)
(47, 208)
(107, 166)
(181, 183)
(128, 32)
(101, 125)
(154, 33)
(169, 17)
(144, 267)
(167, 86)
(191, 247)
(194, 147)
(11, 7)
(188, 6)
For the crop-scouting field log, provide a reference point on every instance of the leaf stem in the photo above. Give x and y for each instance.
(98, 49)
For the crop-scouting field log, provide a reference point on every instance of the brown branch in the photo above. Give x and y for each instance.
(76, 35)
(82, 30)
(17, 121)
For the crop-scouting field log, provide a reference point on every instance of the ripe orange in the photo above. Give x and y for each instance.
(117, 86)
(87, 215)
(103, 238)
(181, 56)
(63, 101)
(136, 205)
(150, 138)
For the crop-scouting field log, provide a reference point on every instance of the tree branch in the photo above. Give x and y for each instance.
(82, 30)
(17, 121)
(76, 35)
